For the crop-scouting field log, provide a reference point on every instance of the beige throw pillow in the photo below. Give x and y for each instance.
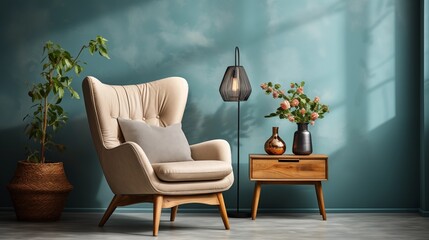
(161, 144)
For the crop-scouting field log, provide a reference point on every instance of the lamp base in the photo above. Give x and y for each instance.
(236, 214)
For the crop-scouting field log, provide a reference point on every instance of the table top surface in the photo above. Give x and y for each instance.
(289, 156)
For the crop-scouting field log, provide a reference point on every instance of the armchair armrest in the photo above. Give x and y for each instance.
(127, 169)
(211, 150)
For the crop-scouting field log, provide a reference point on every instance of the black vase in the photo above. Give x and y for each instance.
(302, 144)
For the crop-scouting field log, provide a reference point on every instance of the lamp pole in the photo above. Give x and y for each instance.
(238, 158)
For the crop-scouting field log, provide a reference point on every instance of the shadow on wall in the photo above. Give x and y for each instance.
(83, 168)
(221, 124)
(378, 156)
(378, 70)
(80, 163)
(315, 14)
(12, 148)
(66, 14)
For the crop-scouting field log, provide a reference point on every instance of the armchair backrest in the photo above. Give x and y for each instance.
(159, 103)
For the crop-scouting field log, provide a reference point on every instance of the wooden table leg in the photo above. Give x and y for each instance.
(256, 194)
(320, 200)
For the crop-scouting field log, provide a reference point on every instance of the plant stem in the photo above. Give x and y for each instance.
(75, 59)
(45, 123)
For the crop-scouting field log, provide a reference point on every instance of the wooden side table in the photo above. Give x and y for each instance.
(288, 169)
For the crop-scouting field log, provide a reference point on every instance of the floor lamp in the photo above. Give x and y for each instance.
(235, 87)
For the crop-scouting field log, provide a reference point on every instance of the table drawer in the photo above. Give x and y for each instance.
(288, 169)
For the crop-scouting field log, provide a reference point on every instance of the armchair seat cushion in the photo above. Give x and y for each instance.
(203, 170)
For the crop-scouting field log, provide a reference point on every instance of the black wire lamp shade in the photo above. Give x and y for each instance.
(235, 84)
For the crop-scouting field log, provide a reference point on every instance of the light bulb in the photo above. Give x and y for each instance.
(235, 84)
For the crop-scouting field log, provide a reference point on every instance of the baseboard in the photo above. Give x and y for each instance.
(372, 210)
(6, 209)
(261, 210)
(337, 210)
(141, 210)
(423, 213)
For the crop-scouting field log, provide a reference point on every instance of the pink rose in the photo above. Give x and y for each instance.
(300, 90)
(285, 105)
(264, 86)
(291, 118)
(302, 111)
(314, 116)
(294, 103)
(269, 89)
(316, 99)
(275, 94)
(312, 123)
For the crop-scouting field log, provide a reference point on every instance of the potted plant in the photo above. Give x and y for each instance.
(40, 187)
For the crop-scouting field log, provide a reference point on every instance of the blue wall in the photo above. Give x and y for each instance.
(360, 57)
(424, 192)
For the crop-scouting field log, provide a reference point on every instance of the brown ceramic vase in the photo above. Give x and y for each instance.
(275, 145)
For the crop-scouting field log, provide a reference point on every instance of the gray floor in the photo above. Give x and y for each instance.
(209, 226)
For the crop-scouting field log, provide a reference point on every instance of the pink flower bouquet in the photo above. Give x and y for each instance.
(295, 105)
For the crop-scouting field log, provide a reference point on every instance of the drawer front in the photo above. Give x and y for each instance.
(288, 169)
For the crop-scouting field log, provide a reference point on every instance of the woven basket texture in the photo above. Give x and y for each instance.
(39, 191)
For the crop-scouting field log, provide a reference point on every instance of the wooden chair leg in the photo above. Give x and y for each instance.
(112, 206)
(173, 213)
(157, 208)
(222, 210)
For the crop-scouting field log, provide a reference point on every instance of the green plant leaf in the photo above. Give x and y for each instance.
(46, 65)
(92, 48)
(103, 52)
(101, 40)
(68, 63)
(60, 93)
(77, 69)
(74, 94)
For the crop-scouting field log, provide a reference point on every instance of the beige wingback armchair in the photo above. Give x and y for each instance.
(128, 171)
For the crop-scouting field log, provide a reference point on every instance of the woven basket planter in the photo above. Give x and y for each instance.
(39, 191)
